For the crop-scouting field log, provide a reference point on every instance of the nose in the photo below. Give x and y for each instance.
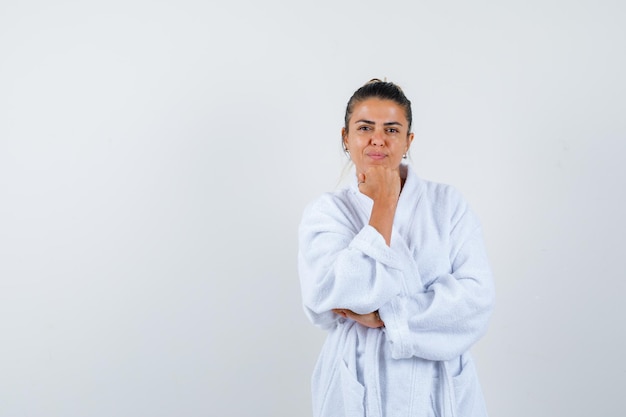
(377, 138)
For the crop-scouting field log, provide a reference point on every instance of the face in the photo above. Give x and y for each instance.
(378, 134)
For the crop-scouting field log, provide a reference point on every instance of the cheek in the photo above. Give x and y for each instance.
(351, 143)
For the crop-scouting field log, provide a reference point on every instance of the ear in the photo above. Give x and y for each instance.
(409, 140)
(344, 137)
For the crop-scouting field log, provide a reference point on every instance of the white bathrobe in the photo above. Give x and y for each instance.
(433, 289)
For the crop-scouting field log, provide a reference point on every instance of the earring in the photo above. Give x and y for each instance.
(404, 156)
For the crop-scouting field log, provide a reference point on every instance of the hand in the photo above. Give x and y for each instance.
(380, 183)
(371, 320)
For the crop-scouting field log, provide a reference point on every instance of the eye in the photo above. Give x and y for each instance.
(392, 130)
(364, 128)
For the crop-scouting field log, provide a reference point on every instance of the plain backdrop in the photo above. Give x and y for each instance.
(155, 158)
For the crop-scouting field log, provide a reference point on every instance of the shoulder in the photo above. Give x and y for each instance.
(435, 192)
(442, 194)
(331, 212)
(442, 191)
(332, 201)
(445, 201)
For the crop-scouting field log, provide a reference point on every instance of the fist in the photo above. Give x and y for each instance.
(380, 183)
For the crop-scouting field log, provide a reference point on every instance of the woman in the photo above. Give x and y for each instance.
(395, 269)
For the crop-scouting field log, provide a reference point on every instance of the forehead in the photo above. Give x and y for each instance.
(377, 110)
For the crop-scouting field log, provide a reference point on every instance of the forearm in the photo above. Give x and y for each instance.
(361, 277)
(438, 324)
(449, 315)
(381, 218)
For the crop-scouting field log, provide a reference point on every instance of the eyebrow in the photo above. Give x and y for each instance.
(369, 122)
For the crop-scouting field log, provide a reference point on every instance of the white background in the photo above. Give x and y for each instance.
(155, 158)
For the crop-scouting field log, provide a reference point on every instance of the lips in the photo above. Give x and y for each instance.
(377, 156)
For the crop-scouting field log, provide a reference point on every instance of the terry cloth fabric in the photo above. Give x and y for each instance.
(433, 289)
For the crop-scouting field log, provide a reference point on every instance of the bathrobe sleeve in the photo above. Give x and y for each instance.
(444, 318)
(342, 264)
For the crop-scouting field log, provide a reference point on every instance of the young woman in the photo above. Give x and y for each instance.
(394, 268)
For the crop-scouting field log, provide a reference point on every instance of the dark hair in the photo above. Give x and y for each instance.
(383, 90)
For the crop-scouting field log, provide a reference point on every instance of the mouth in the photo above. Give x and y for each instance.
(377, 156)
